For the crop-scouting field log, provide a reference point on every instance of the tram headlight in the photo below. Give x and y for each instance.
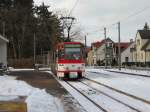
(79, 68)
(66, 68)
(61, 65)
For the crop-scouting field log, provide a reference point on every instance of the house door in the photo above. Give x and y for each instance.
(126, 59)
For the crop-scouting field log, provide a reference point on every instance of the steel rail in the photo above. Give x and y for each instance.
(112, 97)
(97, 105)
(121, 92)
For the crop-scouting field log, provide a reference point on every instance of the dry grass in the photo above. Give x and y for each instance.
(13, 107)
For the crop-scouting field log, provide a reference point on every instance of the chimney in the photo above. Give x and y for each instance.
(146, 27)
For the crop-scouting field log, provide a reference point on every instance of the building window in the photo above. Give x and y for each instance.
(126, 59)
(138, 42)
(109, 44)
(141, 55)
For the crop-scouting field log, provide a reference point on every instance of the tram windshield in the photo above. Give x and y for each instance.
(73, 53)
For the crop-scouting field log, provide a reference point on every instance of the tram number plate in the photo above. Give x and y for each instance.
(73, 74)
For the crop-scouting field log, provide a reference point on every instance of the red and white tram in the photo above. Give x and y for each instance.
(69, 61)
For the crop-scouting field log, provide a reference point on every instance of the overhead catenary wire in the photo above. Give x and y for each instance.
(123, 19)
(69, 19)
(135, 14)
(113, 24)
(74, 6)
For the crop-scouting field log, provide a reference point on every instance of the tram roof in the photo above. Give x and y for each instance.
(60, 45)
(63, 43)
(72, 42)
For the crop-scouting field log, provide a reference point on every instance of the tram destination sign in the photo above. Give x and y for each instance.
(72, 45)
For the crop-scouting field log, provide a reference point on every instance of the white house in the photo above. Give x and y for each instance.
(3, 50)
(127, 55)
(105, 51)
(142, 47)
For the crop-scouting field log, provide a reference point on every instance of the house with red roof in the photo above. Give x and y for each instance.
(126, 55)
(123, 47)
(91, 54)
(104, 52)
(94, 47)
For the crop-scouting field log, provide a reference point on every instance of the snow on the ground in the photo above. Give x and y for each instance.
(71, 104)
(88, 106)
(12, 69)
(8, 98)
(139, 72)
(135, 85)
(104, 101)
(125, 99)
(37, 100)
(40, 69)
(85, 103)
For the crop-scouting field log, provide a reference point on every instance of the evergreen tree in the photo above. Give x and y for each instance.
(23, 20)
(6, 3)
(48, 29)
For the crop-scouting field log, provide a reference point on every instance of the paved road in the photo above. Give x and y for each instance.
(46, 81)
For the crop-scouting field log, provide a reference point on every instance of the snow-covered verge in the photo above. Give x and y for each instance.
(40, 69)
(85, 105)
(12, 69)
(139, 72)
(135, 85)
(106, 97)
(123, 70)
(37, 100)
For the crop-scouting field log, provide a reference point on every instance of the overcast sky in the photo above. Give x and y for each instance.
(93, 15)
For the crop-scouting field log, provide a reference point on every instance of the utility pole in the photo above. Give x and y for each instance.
(105, 48)
(34, 46)
(119, 50)
(42, 56)
(85, 41)
(4, 28)
(85, 49)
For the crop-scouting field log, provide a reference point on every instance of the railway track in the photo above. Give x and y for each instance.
(134, 102)
(74, 92)
(88, 93)
(121, 92)
(103, 99)
(114, 98)
(97, 105)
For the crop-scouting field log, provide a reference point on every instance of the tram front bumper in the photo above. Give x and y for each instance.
(71, 74)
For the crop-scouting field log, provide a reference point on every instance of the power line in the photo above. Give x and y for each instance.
(91, 32)
(68, 20)
(73, 7)
(109, 25)
(130, 16)
(135, 14)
